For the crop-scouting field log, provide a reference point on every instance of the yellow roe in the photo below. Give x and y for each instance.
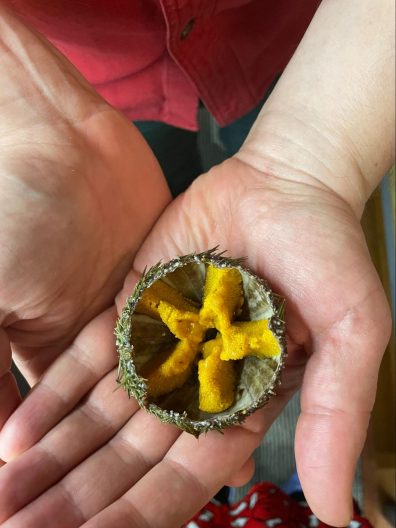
(222, 302)
(183, 324)
(223, 297)
(216, 379)
(160, 291)
(253, 338)
(170, 369)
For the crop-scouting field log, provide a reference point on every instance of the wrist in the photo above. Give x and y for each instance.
(300, 149)
(330, 119)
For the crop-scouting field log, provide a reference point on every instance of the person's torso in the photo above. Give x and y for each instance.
(153, 59)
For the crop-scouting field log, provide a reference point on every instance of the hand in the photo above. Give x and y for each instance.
(79, 190)
(109, 464)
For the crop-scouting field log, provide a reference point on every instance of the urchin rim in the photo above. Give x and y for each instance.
(135, 385)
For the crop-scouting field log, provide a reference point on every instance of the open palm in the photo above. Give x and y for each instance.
(79, 190)
(108, 463)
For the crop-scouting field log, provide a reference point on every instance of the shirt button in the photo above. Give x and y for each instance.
(187, 28)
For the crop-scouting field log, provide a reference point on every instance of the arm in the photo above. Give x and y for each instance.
(330, 120)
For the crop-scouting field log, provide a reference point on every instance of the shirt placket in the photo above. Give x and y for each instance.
(191, 33)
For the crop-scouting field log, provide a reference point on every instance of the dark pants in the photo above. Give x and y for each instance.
(180, 152)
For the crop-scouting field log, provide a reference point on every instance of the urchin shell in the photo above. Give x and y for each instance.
(138, 338)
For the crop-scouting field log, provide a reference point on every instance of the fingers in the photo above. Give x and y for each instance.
(194, 470)
(291, 381)
(243, 475)
(5, 353)
(103, 477)
(188, 476)
(338, 394)
(108, 473)
(9, 393)
(81, 433)
(111, 471)
(72, 375)
(9, 397)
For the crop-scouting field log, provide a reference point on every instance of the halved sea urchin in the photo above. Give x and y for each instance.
(201, 342)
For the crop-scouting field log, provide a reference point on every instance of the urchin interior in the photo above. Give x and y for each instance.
(150, 336)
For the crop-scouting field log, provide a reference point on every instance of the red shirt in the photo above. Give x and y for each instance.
(154, 59)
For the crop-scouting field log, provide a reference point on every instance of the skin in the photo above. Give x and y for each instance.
(75, 175)
(81, 453)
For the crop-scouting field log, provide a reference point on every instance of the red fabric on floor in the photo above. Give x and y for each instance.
(264, 506)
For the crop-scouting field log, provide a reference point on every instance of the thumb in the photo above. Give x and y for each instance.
(9, 393)
(336, 401)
